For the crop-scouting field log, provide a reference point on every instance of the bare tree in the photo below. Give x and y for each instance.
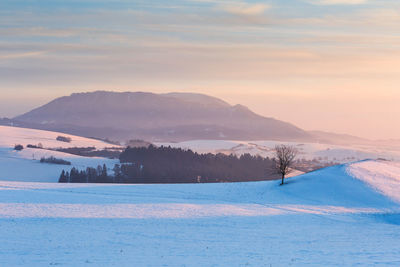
(285, 156)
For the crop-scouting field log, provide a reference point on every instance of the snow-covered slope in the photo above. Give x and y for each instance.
(9, 136)
(331, 217)
(383, 176)
(25, 166)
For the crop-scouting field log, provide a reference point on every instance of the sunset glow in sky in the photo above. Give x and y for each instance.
(329, 65)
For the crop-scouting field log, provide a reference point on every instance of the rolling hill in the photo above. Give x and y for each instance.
(344, 215)
(25, 165)
(313, 151)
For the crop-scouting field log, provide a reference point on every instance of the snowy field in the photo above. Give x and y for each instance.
(9, 136)
(25, 166)
(309, 151)
(345, 215)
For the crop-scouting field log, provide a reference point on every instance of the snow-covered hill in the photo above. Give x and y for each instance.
(25, 166)
(339, 216)
(325, 153)
(382, 176)
(9, 136)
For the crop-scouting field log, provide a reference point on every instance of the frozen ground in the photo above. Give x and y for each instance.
(25, 166)
(339, 216)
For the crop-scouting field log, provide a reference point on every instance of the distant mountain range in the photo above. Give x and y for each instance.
(159, 117)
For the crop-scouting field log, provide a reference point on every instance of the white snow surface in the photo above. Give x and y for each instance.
(383, 176)
(25, 166)
(336, 216)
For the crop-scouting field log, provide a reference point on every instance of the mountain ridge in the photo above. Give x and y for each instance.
(171, 116)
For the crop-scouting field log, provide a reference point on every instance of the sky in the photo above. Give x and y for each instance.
(331, 65)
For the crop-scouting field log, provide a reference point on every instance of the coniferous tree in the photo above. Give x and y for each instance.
(104, 171)
(63, 177)
(117, 173)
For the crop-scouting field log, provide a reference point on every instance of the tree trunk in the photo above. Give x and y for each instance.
(283, 177)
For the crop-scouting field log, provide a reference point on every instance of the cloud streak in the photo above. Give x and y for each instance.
(337, 2)
(21, 55)
(245, 9)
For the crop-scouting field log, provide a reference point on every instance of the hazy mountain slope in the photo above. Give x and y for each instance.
(343, 139)
(199, 98)
(175, 116)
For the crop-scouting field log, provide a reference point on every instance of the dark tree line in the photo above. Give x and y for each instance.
(90, 175)
(92, 152)
(53, 160)
(64, 139)
(175, 165)
(18, 147)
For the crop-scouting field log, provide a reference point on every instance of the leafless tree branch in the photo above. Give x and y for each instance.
(285, 157)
